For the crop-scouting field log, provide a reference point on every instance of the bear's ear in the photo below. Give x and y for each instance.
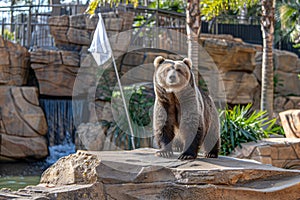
(158, 60)
(188, 62)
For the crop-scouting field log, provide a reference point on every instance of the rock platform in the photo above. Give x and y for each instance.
(139, 174)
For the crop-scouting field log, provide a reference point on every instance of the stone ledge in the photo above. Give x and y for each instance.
(140, 175)
(279, 152)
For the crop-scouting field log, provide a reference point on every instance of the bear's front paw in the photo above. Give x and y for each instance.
(211, 155)
(164, 153)
(187, 156)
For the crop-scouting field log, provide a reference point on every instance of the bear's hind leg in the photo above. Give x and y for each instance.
(214, 152)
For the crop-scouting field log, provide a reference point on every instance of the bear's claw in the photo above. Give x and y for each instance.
(211, 155)
(164, 153)
(186, 156)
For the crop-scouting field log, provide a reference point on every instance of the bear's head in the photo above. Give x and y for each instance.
(172, 75)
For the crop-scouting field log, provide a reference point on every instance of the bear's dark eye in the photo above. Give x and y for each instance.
(179, 70)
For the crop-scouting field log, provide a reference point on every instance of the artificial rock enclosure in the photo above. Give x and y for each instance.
(28, 78)
(138, 174)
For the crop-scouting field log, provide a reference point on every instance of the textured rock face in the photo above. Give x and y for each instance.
(91, 136)
(279, 152)
(240, 87)
(235, 61)
(287, 85)
(229, 54)
(141, 175)
(22, 124)
(290, 120)
(286, 81)
(72, 32)
(55, 70)
(14, 63)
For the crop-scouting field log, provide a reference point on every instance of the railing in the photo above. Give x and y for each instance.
(168, 36)
(28, 26)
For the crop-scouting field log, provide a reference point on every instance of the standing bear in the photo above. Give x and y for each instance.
(182, 113)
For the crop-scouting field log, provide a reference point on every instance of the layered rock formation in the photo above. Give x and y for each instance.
(22, 125)
(141, 175)
(238, 64)
(235, 61)
(279, 152)
(22, 122)
(290, 120)
(14, 63)
(55, 70)
(286, 81)
(91, 136)
(73, 32)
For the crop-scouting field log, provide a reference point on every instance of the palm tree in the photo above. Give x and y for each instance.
(289, 14)
(215, 8)
(267, 27)
(193, 29)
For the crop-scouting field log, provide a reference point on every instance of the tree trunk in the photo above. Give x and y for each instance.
(267, 27)
(55, 9)
(193, 29)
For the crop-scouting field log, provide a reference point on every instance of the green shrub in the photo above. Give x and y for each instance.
(141, 100)
(8, 35)
(241, 125)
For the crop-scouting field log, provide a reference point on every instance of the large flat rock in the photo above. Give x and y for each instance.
(23, 125)
(141, 175)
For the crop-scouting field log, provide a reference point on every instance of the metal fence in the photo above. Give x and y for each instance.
(249, 30)
(28, 25)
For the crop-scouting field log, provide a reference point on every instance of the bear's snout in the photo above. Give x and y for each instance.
(172, 77)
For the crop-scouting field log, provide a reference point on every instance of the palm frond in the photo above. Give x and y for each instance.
(92, 7)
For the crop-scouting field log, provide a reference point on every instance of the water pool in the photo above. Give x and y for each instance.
(18, 182)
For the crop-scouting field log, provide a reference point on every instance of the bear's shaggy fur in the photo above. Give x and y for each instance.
(182, 112)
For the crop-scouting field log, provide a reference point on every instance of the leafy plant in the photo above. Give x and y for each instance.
(8, 35)
(211, 9)
(94, 4)
(175, 5)
(141, 100)
(139, 106)
(241, 125)
(289, 17)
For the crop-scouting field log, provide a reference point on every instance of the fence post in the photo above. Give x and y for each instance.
(29, 28)
(3, 26)
(23, 30)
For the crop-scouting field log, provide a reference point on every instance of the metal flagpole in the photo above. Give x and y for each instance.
(101, 45)
(124, 103)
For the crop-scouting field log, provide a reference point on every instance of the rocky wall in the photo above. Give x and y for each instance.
(286, 81)
(56, 70)
(238, 63)
(14, 63)
(22, 122)
(279, 152)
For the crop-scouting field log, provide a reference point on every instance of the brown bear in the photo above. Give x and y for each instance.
(182, 112)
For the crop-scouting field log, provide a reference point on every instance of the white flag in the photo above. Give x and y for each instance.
(100, 47)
